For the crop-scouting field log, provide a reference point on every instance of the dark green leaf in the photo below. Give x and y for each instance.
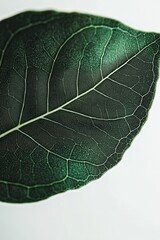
(74, 91)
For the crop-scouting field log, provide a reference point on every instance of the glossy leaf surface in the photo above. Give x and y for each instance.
(74, 91)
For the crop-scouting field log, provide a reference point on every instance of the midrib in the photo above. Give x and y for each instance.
(77, 97)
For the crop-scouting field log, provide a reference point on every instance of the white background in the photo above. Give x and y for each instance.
(125, 202)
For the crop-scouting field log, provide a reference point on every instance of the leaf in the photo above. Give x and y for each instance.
(74, 91)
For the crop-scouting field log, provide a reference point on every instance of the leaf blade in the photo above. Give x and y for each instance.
(97, 82)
